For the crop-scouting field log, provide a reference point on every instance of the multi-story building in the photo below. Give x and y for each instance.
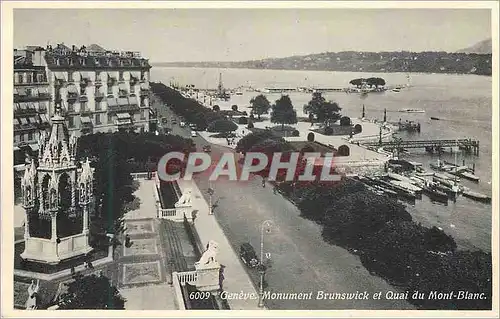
(31, 98)
(100, 90)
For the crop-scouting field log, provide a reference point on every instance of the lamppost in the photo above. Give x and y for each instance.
(262, 267)
(210, 194)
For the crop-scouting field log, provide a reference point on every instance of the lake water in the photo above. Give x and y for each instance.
(462, 102)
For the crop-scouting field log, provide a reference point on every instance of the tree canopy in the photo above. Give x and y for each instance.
(283, 112)
(324, 111)
(91, 292)
(222, 126)
(260, 105)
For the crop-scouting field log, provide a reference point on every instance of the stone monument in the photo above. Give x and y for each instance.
(31, 302)
(208, 269)
(56, 193)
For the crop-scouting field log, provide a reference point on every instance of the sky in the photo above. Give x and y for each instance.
(170, 35)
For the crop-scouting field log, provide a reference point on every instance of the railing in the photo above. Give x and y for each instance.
(143, 175)
(189, 277)
(167, 212)
(178, 291)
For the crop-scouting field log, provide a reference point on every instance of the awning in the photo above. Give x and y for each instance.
(16, 121)
(34, 91)
(85, 76)
(31, 105)
(135, 75)
(123, 116)
(72, 89)
(61, 76)
(112, 102)
(16, 91)
(17, 106)
(44, 118)
(144, 86)
(111, 76)
(132, 100)
(33, 120)
(34, 146)
(43, 90)
(23, 105)
(123, 87)
(21, 91)
(86, 120)
(23, 120)
(123, 101)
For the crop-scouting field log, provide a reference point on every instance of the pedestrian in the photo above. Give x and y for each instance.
(275, 190)
(263, 182)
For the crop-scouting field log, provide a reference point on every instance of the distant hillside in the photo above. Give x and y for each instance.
(350, 61)
(483, 47)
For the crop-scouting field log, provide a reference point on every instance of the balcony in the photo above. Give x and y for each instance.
(72, 95)
(85, 112)
(99, 95)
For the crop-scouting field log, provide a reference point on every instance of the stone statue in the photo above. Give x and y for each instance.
(209, 255)
(185, 199)
(31, 303)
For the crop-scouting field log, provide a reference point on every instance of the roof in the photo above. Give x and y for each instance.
(95, 48)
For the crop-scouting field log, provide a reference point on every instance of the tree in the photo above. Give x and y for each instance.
(260, 105)
(249, 140)
(357, 82)
(283, 112)
(250, 124)
(216, 108)
(358, 128)
(345, 121)
(91, 292)
(295, 133)
(234, 107)
(222, 126)
(310, 137)
(243, 120)
(324, 111)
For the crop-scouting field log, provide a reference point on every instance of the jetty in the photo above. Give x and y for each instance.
(468, 145)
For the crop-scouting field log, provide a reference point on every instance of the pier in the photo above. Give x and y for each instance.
(468, 145)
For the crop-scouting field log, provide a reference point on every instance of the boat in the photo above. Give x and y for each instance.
(435, 118)
(469, 176)
(476, 196)
(411, 110)
(396, 90)
(238, 93)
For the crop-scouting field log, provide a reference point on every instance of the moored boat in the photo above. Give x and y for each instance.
(411, 110)
(476, 196)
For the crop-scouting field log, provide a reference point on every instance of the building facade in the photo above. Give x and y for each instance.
(98, 90)
(31, 98)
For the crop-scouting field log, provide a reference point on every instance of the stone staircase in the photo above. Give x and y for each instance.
(174, 250)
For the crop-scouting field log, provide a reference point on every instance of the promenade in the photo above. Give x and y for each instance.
(236, 279)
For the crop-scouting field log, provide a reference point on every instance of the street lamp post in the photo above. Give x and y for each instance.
(210, 194)
(262, 267)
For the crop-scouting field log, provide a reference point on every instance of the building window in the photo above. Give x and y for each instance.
(121, 78)
(97, 76)
(29, 78)
(98, 106)
(71, 106)
(30, 136)
(143, 75)
(110, 89)
(143, 115)
(70, 76)
(21, 137)
(71, 121)
(98, 119)
(83, 89)
(40, 77)
(132, 87)
(21, 78)
(110, 118)
(84, 106)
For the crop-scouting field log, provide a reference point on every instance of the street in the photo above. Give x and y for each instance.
(300, 260)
